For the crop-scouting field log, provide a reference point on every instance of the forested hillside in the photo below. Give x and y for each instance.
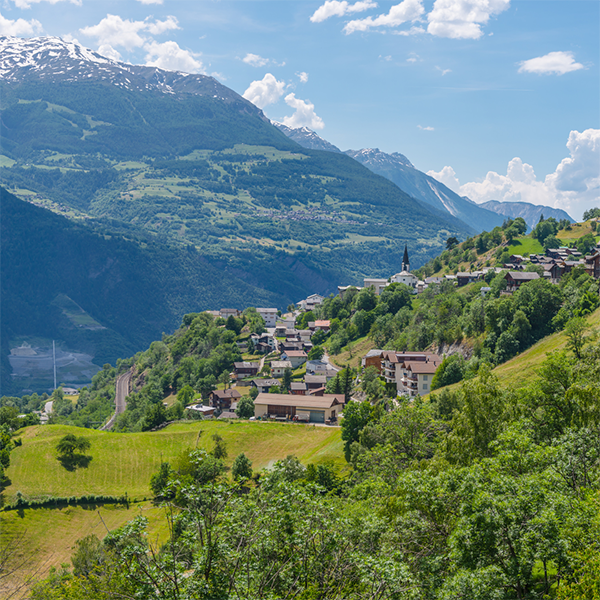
(134, 290)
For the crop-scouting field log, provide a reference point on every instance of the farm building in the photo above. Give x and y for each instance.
(313, 409)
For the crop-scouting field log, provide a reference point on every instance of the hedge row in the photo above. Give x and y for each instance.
(54, 501)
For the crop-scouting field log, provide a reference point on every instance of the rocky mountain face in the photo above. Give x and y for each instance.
(51, 59)
(399, 170)
(530, 212)
(306, 137)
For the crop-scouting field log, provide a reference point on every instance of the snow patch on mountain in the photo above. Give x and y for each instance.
(52, 59)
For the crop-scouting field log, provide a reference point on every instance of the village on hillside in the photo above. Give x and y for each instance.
(290, 348)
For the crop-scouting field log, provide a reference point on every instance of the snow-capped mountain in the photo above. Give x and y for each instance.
(51, 59)
(306, 137)
(375, 159)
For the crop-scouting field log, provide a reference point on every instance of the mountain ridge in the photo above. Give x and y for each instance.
(531, 213)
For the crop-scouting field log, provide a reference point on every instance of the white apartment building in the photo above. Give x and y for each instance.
(269, 316)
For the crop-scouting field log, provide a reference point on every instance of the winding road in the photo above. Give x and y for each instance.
(121, 392)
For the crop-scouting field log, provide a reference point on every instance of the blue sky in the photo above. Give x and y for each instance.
(499, 99)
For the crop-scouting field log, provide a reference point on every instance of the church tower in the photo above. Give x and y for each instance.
(405, 263)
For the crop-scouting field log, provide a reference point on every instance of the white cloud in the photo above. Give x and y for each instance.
(19, 27)
(413, 57)
(428, 128)
(171, 57)
(255, 60)
(553, 63)
(443, 71)
(108, 51)
(447, 176)
(411, 31)
(574, 186)
(462, 19)
(334, 8)
(304, 114)
(114, 31)
(407, 10)
(159, 27)
(151, 1)
(302, 76)
(28, 3)
(264, 92)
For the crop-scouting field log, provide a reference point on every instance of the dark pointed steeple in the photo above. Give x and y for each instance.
(405, 263)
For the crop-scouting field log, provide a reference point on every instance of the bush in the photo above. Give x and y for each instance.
(242, 467)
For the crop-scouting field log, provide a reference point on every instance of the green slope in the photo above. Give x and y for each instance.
(123, 463)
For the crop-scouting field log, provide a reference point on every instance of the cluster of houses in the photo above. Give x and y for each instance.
(558, 261)
(412, 281)
(284, 347)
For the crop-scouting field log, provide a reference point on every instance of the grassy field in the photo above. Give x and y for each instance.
(124, 463)
(40, 539)
(43, 538)
(525, 245)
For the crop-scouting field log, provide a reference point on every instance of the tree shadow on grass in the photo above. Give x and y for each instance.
(75, 461)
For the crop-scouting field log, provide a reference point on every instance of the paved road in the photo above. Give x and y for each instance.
(121, 392)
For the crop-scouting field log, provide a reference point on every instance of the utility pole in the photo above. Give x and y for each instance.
(54, 361)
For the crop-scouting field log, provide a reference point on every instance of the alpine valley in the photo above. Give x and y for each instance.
(135, 195)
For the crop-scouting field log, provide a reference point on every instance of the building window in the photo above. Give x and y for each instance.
(424, 386)
(425, 378)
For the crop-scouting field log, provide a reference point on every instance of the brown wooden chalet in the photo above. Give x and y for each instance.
(223, 398)
(515, 279)
(245, 369)
(592, 264)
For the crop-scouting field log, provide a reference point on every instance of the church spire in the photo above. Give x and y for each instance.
(405, 263)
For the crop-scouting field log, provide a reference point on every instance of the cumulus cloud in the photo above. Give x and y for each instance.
(265, 91)
(334, 8)
(171, 57)
(255, 60)
(443, 71)
(407, 10)
(428, 128)
(19, 27)
(303, 77)
(553, 63)
(304, 114)
(574, 186)
(28, 3)
(108, 51)
(151, 1)
(114, 31)
(462, 19)
(447, 176)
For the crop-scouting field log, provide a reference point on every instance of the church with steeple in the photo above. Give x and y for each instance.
(405, 276)
(405, 263)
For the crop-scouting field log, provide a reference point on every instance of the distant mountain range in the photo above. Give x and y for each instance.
(398, 169)
(531, 213)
